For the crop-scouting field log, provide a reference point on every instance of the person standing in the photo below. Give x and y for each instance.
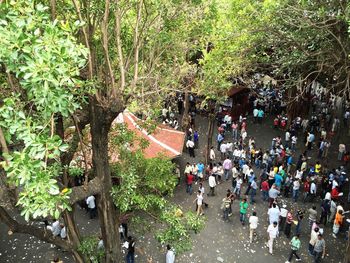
(289, 221)
(296, 187)
(338, 221)
(312, 216)
(196, 139)
(212, 184)
(341, 151)
(253, 188)
(237, 190)
(300, 216)
(90, 201)
(130, 256)
(243, 206)
(265, 189)
(253, 225)
(212, 154)
(272, 232)
(219, 139)
(170, 255)
(190, 147)
(295, 246)
(283, 217)
(313, 240)
(226, 205)
(189, 182)
(234, 130)
(227, 165)
(319, 249)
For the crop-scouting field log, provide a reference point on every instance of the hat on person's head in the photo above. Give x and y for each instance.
(284, 206)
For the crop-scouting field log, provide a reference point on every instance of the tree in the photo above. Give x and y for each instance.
(129, 55)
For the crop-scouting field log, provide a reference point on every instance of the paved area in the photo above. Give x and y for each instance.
(219, 241)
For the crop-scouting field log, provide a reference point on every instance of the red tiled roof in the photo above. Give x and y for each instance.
(164, 140)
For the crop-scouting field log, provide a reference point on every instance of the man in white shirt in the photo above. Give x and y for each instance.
(272, 231)
(212, 154)
(223, 148)
(237, 190)
(294, 142)
(90, 201)
(190, 147)
(55, 228)
(273, 213)
(255, 114)
(287, 138)
(212, 184)
(170, 255)
(312, 191)
(63, 232)
(253, 225)
(283, 217)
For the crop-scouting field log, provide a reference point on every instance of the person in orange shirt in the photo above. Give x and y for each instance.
(338, 221)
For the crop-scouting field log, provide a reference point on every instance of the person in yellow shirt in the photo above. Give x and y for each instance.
(318, 167)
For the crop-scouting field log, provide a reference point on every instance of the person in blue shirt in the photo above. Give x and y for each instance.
(200, 167)
(260, 115)
(278, 180)
(196, 139)
(220, 139)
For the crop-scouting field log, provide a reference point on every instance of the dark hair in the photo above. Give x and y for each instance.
(275, 223)
(168, 247)
(297, 235)
(274, 205)
(254, 213)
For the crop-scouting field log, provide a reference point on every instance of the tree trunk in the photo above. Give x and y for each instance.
(211, 122)
(73, 235)
(185, 119)
(101, 119)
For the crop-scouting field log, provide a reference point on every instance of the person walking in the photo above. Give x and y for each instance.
(199, 202)
(226, 204)
(227, 165)
(243, 206)
(170, 255)
(272, 232)
(319, 249)
(253, 225)
(295, 246)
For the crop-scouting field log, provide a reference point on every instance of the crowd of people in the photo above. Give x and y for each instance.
(296, 187)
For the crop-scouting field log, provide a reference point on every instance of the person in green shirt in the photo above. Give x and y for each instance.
(295, 246)
(243, 206)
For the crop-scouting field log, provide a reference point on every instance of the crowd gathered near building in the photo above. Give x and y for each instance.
(306, 188)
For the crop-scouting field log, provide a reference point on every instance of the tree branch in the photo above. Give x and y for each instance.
(137, 45)
(86, 38)
(81, 192)
(119, 47)
(104, 30)
(44, 235)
